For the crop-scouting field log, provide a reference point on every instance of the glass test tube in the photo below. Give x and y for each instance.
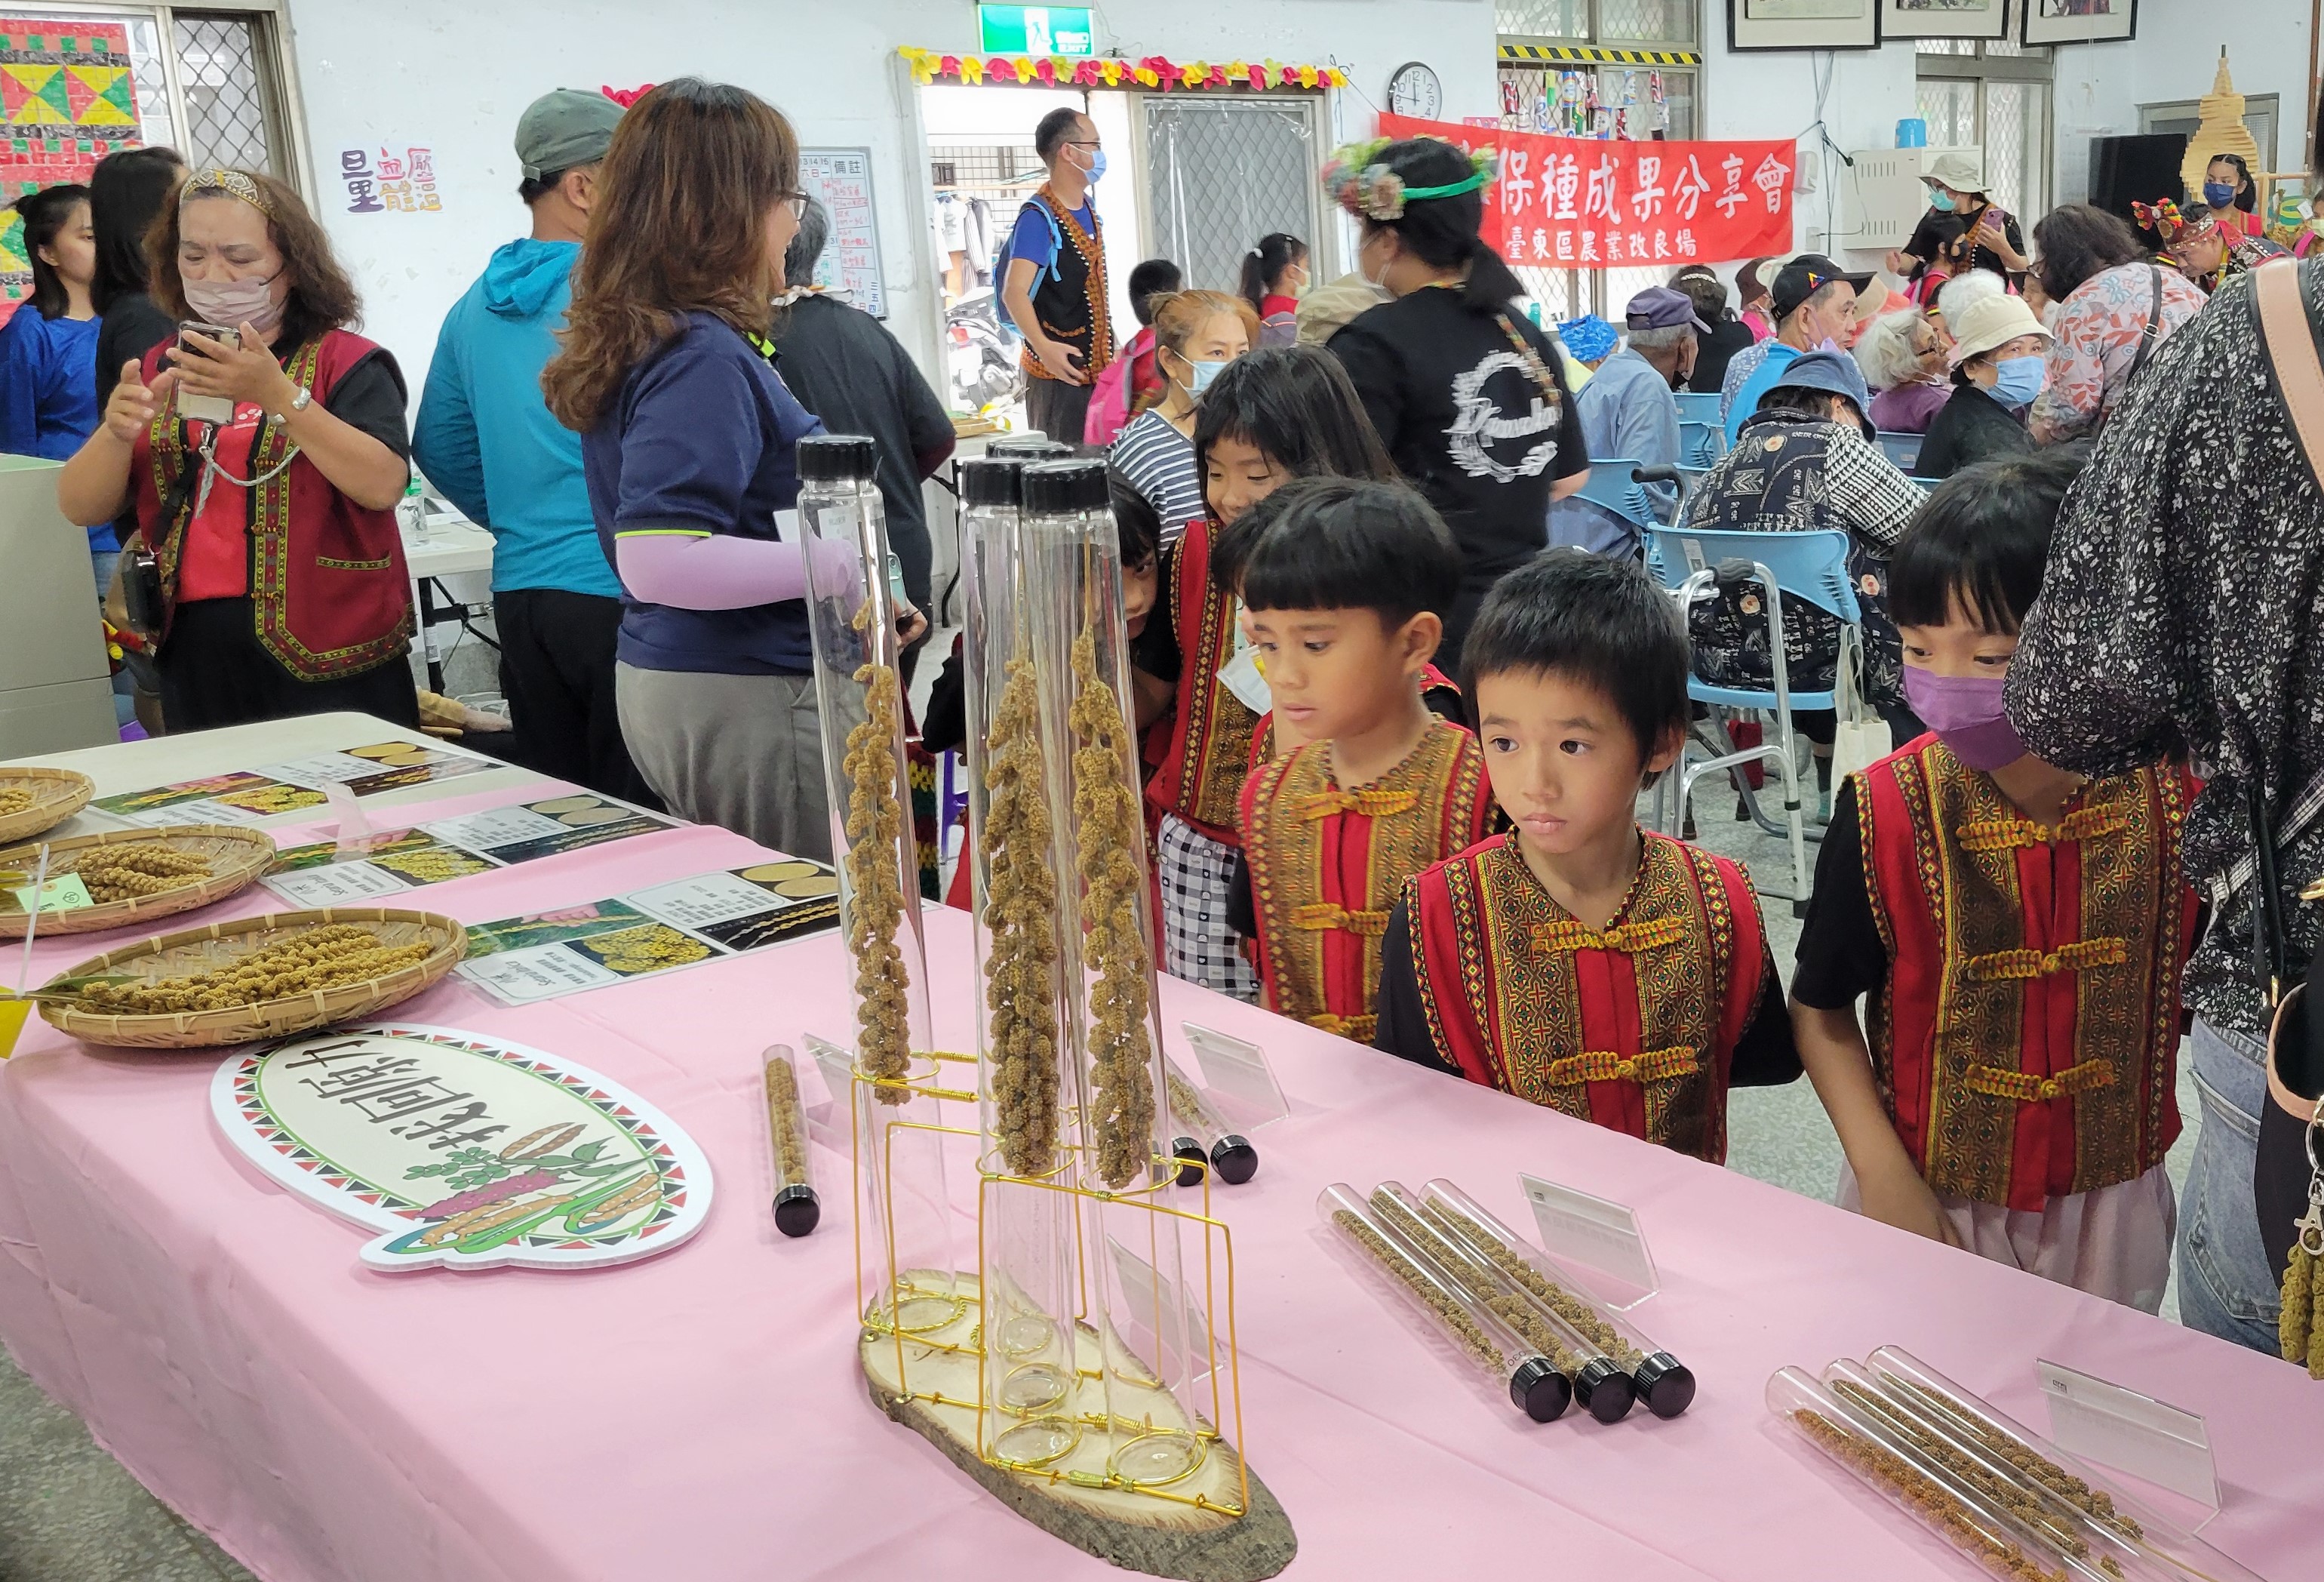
(1534, 1383)
(1199, 1136)
(908, 1271)
(1925, 1489)
(1656, 1377)
(1028, 1279)
(1601, 1386)
(797, 1208)
(1937, 1401)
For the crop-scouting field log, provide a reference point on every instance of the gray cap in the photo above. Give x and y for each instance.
(561, 130)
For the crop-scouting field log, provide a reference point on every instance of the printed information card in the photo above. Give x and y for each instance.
(251, 796)
(340, 873)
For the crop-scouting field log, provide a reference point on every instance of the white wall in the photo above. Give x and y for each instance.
(453, 75)
(2101, 86)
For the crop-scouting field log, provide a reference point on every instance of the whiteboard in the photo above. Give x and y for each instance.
(841, 178)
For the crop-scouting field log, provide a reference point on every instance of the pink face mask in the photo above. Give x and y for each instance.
(233, 303)
(1966, 713)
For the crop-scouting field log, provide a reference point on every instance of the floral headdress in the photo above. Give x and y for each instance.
(2165, 220)
(1361, 184)
(233, 183)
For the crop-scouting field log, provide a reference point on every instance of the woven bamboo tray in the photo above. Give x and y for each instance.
(195, 951)
(56, 795)
(236, 858)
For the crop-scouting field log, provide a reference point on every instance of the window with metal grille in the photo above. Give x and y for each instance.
(232, 113)
(1995, 96)
(1220, 173)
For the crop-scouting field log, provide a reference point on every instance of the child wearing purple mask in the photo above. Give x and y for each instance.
(2018, 931)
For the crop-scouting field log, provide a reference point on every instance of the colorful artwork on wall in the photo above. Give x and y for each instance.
(66, 99)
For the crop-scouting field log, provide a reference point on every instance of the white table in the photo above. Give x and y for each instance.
(451, 547)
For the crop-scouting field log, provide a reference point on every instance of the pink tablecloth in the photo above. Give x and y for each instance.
(700, 1416)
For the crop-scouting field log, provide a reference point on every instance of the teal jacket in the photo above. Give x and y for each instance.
(485, 438)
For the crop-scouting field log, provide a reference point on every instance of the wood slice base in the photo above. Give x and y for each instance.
(1159, 1537)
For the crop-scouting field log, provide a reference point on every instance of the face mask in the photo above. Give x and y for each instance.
(1966, 711)
(1096, 166)
(233, 303)
(2018, 380)
(2219, 194)
(1203, 374)
(1941, 200)
(1379, 286)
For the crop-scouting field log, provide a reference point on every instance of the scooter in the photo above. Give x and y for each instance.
(980, 361)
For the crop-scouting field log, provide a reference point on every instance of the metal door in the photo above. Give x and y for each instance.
(1220, 173)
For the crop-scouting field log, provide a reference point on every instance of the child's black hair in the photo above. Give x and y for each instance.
(1596, 621)
(1156, 277)
(1349, 544)
(1134, 516)
(1297, 406)
(1983, 540)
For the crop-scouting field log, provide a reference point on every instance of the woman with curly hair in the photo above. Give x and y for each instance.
(283, 587)
(1465, 391)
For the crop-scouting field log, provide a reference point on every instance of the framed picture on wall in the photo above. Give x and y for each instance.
(1803, 25)
(1946, 19)
(2078, 21)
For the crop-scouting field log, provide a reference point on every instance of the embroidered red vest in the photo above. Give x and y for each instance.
(1326, 865)
(1633, 1027)
(330, 592)
(1199, 774)
(1070, 302)
(2026, 1041)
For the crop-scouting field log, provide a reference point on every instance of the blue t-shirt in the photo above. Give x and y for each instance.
(48, 391)
(702, 438)
(1762, 379)
(1033, 240)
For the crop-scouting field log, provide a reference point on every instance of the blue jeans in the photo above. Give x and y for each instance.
(2227, 1285)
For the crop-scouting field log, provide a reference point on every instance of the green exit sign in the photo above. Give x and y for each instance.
(1035, 30)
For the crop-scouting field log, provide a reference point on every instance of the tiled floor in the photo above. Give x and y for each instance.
(68, 1513)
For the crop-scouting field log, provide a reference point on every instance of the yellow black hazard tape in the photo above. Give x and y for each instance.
(1588, 55)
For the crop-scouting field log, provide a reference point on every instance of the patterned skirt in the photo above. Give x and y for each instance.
(1197, 944)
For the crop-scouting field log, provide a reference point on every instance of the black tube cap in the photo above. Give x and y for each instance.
(1539, 1389)
(1196, 1160)
(1030, 445)
(1235, 1159)
(836, 459)
(1052, 487)
(990, 480)
(1665, 1383)
(796, 1209)
(1603, 1390)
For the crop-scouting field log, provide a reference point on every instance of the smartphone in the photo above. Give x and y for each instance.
(210, 408)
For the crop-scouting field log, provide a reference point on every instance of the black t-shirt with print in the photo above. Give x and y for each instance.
(1466, 418)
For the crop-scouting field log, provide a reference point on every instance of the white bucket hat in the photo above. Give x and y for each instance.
(1961, 169)
(1990, 322)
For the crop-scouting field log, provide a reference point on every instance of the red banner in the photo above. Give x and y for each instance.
(1593, 203)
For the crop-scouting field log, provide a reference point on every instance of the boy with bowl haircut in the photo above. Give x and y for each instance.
(1344, 583)
(1578, 961)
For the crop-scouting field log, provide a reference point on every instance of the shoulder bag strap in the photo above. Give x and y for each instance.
(2292, 353)
(2153, 331)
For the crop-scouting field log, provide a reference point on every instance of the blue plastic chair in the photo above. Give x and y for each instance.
(1611, 487)
(1812, 566)
(1698, 406)
(1699, 444)
(1926, 484)
(1903, 449)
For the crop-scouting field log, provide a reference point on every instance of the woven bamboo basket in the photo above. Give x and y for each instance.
(236, 858)
(56, 795)
(196, 950)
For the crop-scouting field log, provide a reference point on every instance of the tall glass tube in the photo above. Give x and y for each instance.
(1479, 1334)
(1134, 1272)
(904, 1227)
(1027, 1278)
(1656, 1377)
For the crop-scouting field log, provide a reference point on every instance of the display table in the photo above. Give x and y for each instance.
(698, 1415)
(452, 546)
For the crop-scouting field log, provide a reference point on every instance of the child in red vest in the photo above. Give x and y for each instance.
(2019, 931)
(1578, 961)
(1343, 582)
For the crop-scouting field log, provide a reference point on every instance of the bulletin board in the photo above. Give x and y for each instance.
(841, 178)
(66, 99)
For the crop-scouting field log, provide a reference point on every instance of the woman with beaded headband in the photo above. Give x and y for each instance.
(1467, 394)
(2204, 252)
(283, 588)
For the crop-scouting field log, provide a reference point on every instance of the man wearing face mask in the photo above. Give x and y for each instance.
(1814, 302)
(1054, 287)
(1627, 411)
(1999, 363)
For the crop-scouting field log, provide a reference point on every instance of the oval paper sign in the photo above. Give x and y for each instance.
(464, 1151)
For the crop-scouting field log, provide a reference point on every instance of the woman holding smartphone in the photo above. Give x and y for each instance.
(263, 449)
(688, 443)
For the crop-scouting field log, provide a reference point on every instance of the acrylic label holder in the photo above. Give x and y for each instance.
(1236, 1070)
(2148, 1439)
(1597, 1233)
